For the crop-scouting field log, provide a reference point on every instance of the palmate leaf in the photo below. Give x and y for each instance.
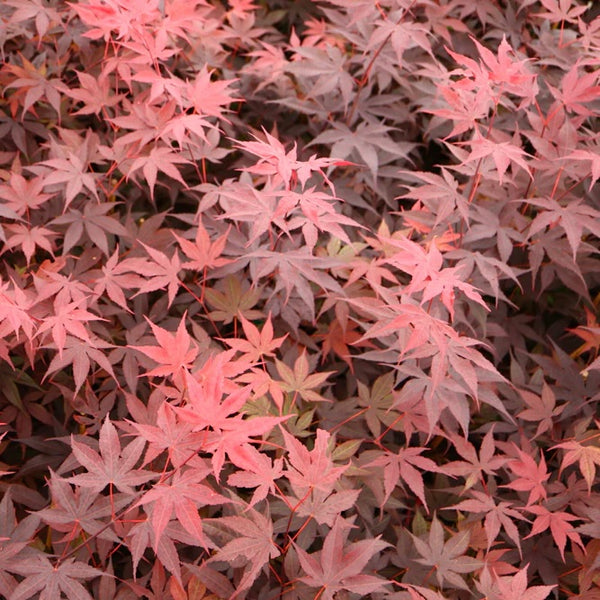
(574, 218)
(496, 516)
(311, 469)
(368, 141)
(81, 510)
(79, 354)
(160, 158)
(50, 580)
(587, 456)
(257, 471)
(405, 465)
(447, 558)
(475, 464)
(181, 496)
(203, 253)
(233, 301)
(113, 466)
(283, 166)
(296, 269)
(160, 272)
(254, 542)
(257, 345)
(559, 523)
(512, 587)
(339, 565)
(529, 476)
(68, 318)
(299, 381)
(173, 354)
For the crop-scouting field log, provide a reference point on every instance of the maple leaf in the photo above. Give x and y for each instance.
(440, 194)
(114, 278)
(541, 409)
(403, 464)
(49, 579)
(274, 160)
(95, 93)
(513, 587)
(31, 81)
(296, 269)
(170, 434)
(558, 523)
(587, 456)
(561, 10)
(474, 466)
(209, 97)
(259, 472)
(496, 516)
(204, 254)
(253, 541)
(15, 536)
(328, 65)
(173, 353)
(36, 10)
(257, 344)
(339, 565)
(261, 208)
(318, 208)
(183, 494)
(322, 506)
(336, 340)
(510, 74)
(589, 333)
(311, 469)
(233, 301)
(113, 466)
(67, 318)
(577, 90)
(369, 140)
(206, 409)
(503, 154)
(160, 158)
(300, 381)
(73, 171)
(142, 535)
(79, 353)
(161, 272)
(94, 221)
(22, 194)
(593, 157)
(81, 510)
(531, 476)
(447, 558)
(429, 275)
(14, 307)
(27, 238)
(574, 218)
(148, 123)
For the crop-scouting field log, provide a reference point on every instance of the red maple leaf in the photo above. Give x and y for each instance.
(253, 541)
(173, 353)
(339, 565)
(204, 254)
(311, 469)
(530, 476)
(113, 466)
(257, 344)
(559, 524)
(183, 495)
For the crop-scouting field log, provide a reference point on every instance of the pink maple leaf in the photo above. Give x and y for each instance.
(173, 353)
(339, 565)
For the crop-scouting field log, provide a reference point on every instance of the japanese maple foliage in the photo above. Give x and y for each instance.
(299, 299)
